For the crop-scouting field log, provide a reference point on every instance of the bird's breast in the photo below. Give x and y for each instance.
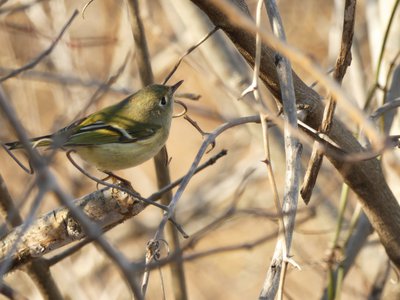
(117, 156)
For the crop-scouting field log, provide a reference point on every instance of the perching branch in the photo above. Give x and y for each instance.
(107, 207)
(49, 183)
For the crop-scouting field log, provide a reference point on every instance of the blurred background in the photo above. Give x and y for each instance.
(97, 46)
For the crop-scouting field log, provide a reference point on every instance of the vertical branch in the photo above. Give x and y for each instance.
(342, 62)
(161, 159)
(293, 150)
(142, 56)
(314, 165)
(385, 39)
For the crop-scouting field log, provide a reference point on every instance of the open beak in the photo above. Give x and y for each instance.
(175, 86)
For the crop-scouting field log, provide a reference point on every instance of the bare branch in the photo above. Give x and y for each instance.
(162, 170)
(235, 19)
(342, 62)
(42, 55)
(364, 177)
(106, 207)
(190, 50)
(38, 269)
(209, 140)
(48, 182)
(292, 154)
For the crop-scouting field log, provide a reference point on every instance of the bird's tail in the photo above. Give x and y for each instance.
(41, 141)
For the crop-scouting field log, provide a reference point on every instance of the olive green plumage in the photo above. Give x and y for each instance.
(119, 136)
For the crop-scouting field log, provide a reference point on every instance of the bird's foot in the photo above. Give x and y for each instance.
(119, 180)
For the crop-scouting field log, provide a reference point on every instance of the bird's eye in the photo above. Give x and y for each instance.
(163, 101)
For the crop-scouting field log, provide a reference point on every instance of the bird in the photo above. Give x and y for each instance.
(119, 136)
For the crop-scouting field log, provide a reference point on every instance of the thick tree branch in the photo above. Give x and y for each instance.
(364, 177)
(106, 207)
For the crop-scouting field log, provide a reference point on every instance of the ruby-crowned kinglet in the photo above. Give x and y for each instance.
(120, 136)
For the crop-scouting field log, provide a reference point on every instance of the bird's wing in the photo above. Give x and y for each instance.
(83, 132)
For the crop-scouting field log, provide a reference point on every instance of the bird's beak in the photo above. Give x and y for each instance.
(175, 86)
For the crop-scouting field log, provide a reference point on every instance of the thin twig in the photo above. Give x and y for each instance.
(57, 258)
(185, 109)
(210, 138)
(29, 171)
(393, 66)
(142, 58)
(42, 55)
(247, 24)
(174, 184)
(195, 125)
(253, 88)
(394, 104)
(385, 38)
(190, 50)
(75, 248)
(104, 86)
(312, 85)
(217, 250)
(85, 7)
(110, 185)
(64, 79)
(375, 85)
(201, 131)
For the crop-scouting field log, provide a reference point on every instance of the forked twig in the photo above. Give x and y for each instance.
(57, 258)
(211, 137)
(198, 128)
(174, 184)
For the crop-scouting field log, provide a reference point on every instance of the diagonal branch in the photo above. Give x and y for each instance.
(365, 178)
(107, 208)
(38, 270)
(342, 62)
(42, 55)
